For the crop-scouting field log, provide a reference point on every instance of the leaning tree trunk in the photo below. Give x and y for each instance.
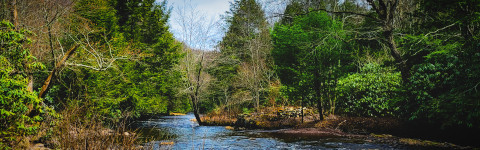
(401, 63)
(194, 97)
(46, 84)
(195, 110)
(386, 10)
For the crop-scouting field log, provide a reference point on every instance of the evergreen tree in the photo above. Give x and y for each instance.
(142, 79)
(310, 57)
(245, 51)
(246, 21)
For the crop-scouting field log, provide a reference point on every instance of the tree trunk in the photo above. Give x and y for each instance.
(195, 109)
(401, 63)
(46, 84)
(386, 11)
(257, 97)
(195, 96)
(317, 89)
(14, 20)
(226, 100)
(302, 109)
(334, 101)
(49, 29)
(319, 104)
(14, 14)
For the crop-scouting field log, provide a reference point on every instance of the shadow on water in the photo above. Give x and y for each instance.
(179, 132)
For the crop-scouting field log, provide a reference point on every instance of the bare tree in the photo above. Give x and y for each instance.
(40, 17)
(272, 8)
(52, 11)
(254, 74)
(196, 33)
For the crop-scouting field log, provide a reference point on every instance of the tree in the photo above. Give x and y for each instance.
(444, 45)
(196, 81)
(195, 33)
(387, 16)
(245, 21)
(147, 28)
(133, 73)
(46, 84)
(386, 12)
(310, 56)
(247, 42)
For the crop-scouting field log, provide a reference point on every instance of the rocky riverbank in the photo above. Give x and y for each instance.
(288, 121)
(268, 118)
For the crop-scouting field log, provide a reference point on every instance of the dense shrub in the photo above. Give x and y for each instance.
(20, 109)
(444, 88)
(370, 92)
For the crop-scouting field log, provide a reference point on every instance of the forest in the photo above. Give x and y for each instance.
(75, 69)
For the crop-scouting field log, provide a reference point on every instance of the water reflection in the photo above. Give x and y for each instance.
(179, 132)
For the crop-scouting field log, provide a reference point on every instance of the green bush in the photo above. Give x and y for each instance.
(370, 92)
(20, 109)
(444, 89)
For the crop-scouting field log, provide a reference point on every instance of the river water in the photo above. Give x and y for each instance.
(179, 132)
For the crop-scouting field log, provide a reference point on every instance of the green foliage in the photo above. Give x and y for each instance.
(100, 13)
(370, 92)
(20, 109)
(133, 36)
(246, 21)
(15, 101)
(443, 86)
(445, 77)
(247, 110)
(444, 55)
(154, 79)
(142, 21)
(442, 51)
(247, 43)
(12, 48)
(310, 55)
(463, 14)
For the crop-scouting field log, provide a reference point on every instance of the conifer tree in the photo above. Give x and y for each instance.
(245, 49)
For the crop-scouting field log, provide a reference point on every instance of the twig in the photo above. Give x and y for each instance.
(340, 124)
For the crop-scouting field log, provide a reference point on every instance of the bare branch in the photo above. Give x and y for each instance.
(438, 30)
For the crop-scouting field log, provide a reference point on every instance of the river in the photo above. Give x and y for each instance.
(179, 132)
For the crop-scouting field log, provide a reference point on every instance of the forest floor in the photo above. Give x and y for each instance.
(289, 121)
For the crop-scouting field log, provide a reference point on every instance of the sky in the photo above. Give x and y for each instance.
(204, 18)
(207, 12)
(210, 7)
